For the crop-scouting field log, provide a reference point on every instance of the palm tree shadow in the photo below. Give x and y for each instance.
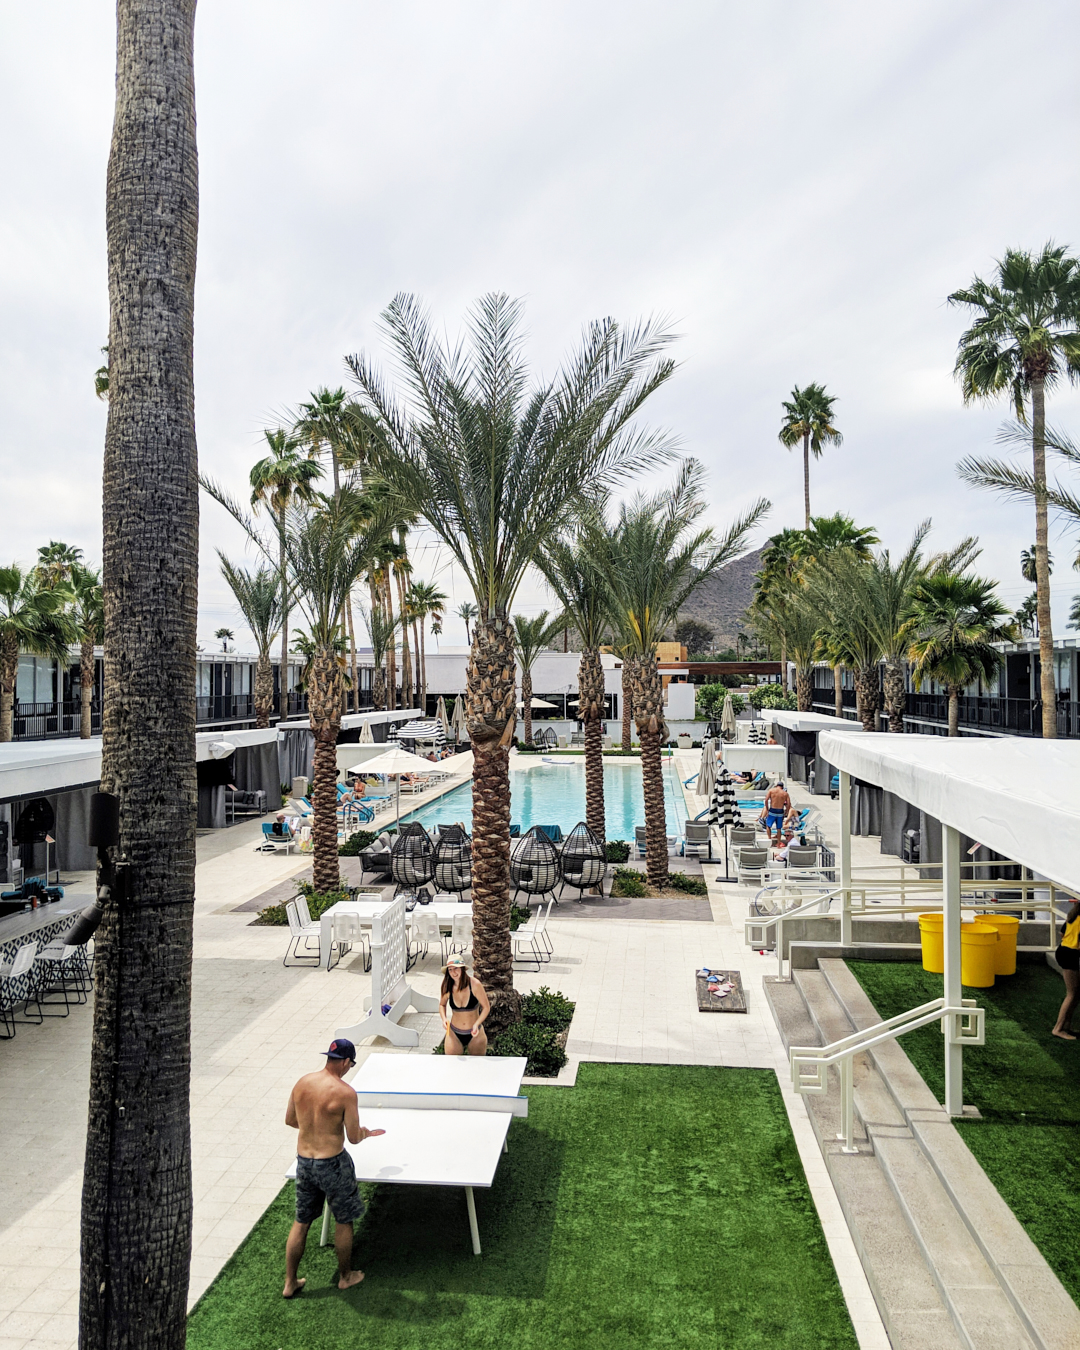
(416, 1238)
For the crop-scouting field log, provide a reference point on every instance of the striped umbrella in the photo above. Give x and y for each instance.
(757, 734)
(440, 713)
(723, 811)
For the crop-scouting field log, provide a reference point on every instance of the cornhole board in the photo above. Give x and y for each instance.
(735, 1002)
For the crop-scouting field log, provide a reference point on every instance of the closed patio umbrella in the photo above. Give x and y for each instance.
(394, 761)
(440, 713)
(366, 737)
(457, 719)
(722, 809)
(707, 772)
(727, 717)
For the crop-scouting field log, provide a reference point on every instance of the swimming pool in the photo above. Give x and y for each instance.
(554, 794)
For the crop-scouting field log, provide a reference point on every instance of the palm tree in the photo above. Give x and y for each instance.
(258, 597)
(425, 601)
(1074, 612)
(654, 558)
(955, 620)
(808, 417)
(531, 637)
(467, 611)
(283, 477)
(88, 613)
(101, 377)
(1024, 336)
(497, 467)
(136, 1190)
(788, 618)
(328, 546)
(226, 635)
(380, 631)
(780, 562)
(55, 561)
(1027, 616)
(1029, 564)
(33, 619)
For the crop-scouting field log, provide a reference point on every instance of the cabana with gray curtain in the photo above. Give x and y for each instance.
(800, 733)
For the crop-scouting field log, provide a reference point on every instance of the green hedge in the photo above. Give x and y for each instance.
(630, 883)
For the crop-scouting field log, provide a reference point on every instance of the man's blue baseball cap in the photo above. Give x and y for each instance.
(341, 1050)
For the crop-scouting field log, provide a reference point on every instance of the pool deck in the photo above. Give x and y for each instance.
(632, 982)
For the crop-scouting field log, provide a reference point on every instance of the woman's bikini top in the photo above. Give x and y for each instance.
(472, 1004)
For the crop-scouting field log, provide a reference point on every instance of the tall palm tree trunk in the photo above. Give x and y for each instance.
(627, 704)
(953, 691)
(391, 649)
(591, 710)
(783, 664)
(489, 714)
(136, 1198)
(526, 706)
(264, 690)
(804, 687)
(406, 659)
(9, 674)
(806, 477)
(324, 711)
(283, 670)
(649, 715)
(866, 690)
(421, 703)
(895, 693)
(423, 670)
(86, 686)
(355, 670)
(1047, 691)
(838, 690)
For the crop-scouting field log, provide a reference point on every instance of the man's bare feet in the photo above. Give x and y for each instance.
(347, 1281)
(1063, 1035)
(297, 1288)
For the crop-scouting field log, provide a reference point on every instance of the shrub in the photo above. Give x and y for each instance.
(518, 916)
(628, 882)
(682, 881)
(772, 696)
(546, 1009)
(537, 1043)
(356, 843)
(275, 915)
(618, 851)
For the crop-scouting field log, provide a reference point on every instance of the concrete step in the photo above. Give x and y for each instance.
(1035, 1295)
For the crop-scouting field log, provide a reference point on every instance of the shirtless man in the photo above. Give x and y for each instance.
(777, 805)
(323, 1109)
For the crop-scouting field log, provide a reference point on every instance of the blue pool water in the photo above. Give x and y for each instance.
(554, 794)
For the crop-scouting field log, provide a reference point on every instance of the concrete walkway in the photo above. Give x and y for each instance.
(258, 1026)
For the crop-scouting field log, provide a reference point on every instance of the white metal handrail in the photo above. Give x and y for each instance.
(756, 929)
(965, 1025)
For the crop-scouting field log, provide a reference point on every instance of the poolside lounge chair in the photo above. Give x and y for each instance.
(742, 836)
(273, 841)
(376, 858)
(698, 836)
(553, 832)
(639, 840)
(752, 863)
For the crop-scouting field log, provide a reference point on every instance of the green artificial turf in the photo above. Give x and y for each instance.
(648, 1206)
(1026, 1084)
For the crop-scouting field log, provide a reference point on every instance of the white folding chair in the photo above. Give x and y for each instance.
(21, 964)
(525, 946)
(299, 931)
(460, 933)
(425, 931)
(61, 970)
(348, 932)
(537, 928)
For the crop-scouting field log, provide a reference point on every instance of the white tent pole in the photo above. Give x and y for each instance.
(845, 858)
(397, 803)
(954, 1053)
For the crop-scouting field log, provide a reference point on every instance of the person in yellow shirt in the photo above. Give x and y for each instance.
(1068, 959)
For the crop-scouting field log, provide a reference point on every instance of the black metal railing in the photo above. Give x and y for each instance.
(52, 721)
(224, 708)
(1011, 716)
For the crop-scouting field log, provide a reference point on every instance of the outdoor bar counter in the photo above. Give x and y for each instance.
(42, 925)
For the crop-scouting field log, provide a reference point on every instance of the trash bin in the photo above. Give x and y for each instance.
(978, 951)
(1007, 926)
(933, 943)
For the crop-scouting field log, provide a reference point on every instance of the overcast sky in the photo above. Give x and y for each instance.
(797, 186)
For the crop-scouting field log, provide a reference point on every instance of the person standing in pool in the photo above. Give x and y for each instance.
(1068, 959)
(463, 1007)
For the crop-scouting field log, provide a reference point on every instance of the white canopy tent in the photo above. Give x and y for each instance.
(1016, 796)
(394, 761)
(810, 721)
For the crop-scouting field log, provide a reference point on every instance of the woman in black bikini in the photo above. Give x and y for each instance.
(463, 1007)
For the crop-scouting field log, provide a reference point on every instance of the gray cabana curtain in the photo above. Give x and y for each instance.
(72, 828)
(897, 817)
(296, 754)
(256, 769)
(865, 808)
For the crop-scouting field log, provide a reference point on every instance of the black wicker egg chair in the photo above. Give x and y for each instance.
(412, 857)
(584, 860)
(534, 865)
(453, 861)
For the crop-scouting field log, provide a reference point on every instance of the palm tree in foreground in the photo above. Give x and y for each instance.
(808, 418)
(283, 477)
(88, 613)
(1025, 334)
(136, 1191)
(33, 619)
(654, 558)
(955, 620)
(258, 597)
(497, 466)
(531, 637)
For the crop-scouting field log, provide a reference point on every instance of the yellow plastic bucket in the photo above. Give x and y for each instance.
(978, 950)
(1007, 926)
(933, 943)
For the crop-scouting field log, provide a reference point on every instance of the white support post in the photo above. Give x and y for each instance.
(845, 858)
(954, 1052)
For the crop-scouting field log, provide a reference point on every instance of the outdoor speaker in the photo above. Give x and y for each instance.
(104, 820)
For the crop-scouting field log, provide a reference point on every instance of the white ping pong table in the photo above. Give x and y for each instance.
(446, 1120)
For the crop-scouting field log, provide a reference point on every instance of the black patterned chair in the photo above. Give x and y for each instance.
(534, 865)
(412, 857)
(453, 861)
(583, 860)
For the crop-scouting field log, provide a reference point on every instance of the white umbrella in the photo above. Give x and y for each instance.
(394, 761)
(366, 738)
(440, 713)
(727, 716)
(706, 780)
(457, 719)
(535, 703)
